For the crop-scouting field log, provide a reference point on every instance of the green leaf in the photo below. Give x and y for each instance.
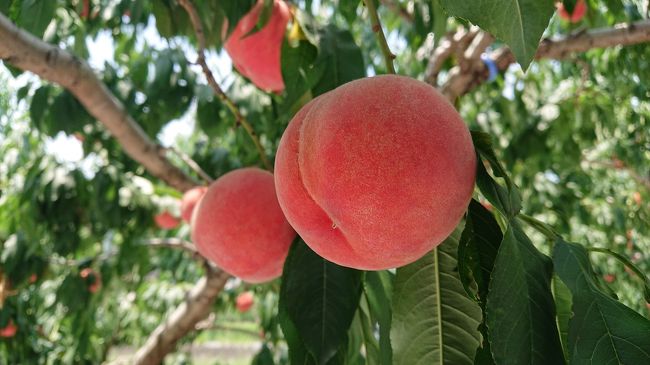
(39, 105)
(4, 6)
(320, 299)
(434, 321)
(348, 8)
(563, 305)
(519, 23)
(67, 114)
(478, 249)
(378, 290)
(520, 312)
(602, 330)
(36, 15)
(298, 72)
(366, 325)
(341, 58)
(507, 200)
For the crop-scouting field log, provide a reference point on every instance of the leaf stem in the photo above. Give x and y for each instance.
(379, 32)
(625, 261)
(540, 226)
(239, 118)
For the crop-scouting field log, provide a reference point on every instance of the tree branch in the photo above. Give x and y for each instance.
(239, 118)
(23, 50)
(559, 48)
(183, 319)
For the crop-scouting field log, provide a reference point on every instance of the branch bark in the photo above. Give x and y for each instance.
(26, 52)
(183, 319)
(560, 48)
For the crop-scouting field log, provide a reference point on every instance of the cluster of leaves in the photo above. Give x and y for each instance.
(572, 135)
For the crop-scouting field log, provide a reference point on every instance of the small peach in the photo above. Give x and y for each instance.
(165, 220)
(244, 301)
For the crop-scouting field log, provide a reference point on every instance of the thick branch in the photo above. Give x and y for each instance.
(559, 48)
(239, 118)
(29, 53)
(183, 319)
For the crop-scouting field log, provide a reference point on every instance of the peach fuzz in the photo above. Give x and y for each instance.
(240, 227)
(375, 173)
(578, 11)
(257, 56)
(190, 200)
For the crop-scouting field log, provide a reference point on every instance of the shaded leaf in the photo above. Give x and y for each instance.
(36, 15)
(478, 249)
(320, 298)
(520, 311)
(507, 200)
(340, 57)
(602, 330)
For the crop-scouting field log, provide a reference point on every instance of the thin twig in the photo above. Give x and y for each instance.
(239, 118)
(175, 243)
(379, 32)
(192, 164)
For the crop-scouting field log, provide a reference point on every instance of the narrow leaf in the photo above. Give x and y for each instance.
(602, 330)
(520, 312)
(434, 321)
(378, 289)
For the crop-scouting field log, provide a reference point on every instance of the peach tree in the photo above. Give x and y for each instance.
(489, 204)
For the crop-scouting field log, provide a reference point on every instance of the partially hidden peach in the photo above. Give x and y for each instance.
(166, 220)
(239, 226)
(244, 301)
(578, 11)
(375, 173)
(257, 56)
(190, 200)
(9, 330)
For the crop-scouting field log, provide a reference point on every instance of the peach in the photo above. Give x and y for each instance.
(375, 173)
(257, 56)
(578, 11)
(9, 330)
(189, 201)
(240, 227)
(166, 220)
(244, 301)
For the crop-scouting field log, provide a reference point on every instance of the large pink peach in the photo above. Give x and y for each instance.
(240, 227)
(257, 56)
(375, 173)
